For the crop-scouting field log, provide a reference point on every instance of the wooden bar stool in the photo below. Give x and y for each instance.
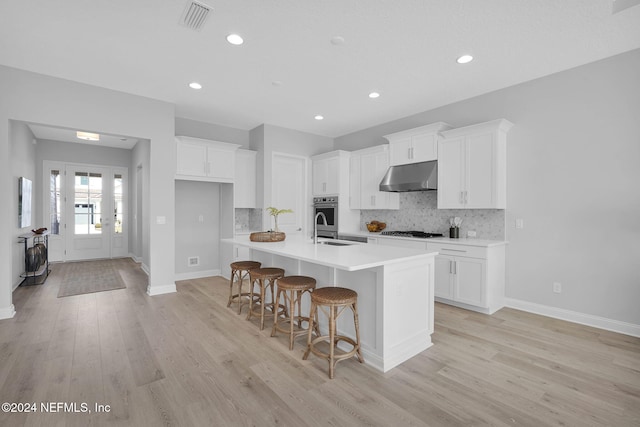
(239, 272)
(333, 301)
(264, 278)
(292, 288)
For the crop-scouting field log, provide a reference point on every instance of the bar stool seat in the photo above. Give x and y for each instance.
(239, 272)
(292, 289)
(265, 278)
(332, 301)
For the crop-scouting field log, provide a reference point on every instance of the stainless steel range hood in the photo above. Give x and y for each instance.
(413, 177)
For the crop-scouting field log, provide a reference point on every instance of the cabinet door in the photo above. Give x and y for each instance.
(373, 167)
(191, 159)
(326, 177)
(443, 286)
(221, 163)
(244, 187)
(451, 173)
(400, 151)
(424, 148)
(355, 193)
(241, 253)
(469, 286)
(319, 177)
(481, 171)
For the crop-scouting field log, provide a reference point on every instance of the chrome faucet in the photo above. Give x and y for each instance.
(315, 226)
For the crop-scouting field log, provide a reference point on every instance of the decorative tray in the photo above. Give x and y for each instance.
(267, 236)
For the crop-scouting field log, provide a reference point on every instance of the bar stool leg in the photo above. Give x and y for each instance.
(332, 340)
(233, 276)
(313, 319)
(292, 307)
(262, 303)
(251, 298)
(354, 308)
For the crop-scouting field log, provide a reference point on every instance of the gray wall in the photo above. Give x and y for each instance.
(212, 131)
(22, 153)
(195, 238)
(573, 177)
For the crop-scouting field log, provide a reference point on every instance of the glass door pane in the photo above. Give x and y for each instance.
(118, 205)
(88, 203)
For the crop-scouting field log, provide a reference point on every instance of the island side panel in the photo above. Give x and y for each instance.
(407, 310)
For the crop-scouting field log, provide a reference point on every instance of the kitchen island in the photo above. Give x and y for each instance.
(395, 289)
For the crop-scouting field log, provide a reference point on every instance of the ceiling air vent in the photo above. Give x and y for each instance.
(195, 15)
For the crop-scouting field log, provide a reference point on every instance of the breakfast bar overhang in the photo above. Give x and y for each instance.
(394, 286)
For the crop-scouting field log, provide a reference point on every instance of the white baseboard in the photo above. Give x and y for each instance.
(144, 268)
(161, 289)
(136, 259)
(197, 274)
(7, 312)
(575, 317)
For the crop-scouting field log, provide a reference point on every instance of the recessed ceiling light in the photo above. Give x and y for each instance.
(319, 117)
(235, 39)
(464, 59)
(374, 95)
(195, 85)
(337, 40)
(88, 136)
(277, 83)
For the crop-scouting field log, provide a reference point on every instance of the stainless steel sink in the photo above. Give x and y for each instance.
(325, 242)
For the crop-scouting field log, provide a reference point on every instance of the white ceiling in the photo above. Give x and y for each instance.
(69, 135)
(404, 49)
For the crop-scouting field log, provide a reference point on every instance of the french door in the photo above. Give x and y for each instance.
(86, 211)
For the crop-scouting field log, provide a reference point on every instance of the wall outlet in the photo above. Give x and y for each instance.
(557, 287)
(193, 261)
(519, 223)
(471, 233)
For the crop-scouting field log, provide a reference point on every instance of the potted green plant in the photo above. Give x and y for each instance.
(274, 212)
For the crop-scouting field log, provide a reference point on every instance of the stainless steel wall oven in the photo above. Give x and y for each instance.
(329, 207)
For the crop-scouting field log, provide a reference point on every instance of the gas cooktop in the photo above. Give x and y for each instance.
(418, 234)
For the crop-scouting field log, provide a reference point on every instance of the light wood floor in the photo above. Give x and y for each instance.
(186, 359)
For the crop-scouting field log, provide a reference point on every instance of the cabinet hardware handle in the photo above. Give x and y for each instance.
(450, 267)
(453, 250)
(455, 267)
(461, 198)
(409, 153)
(465, 197)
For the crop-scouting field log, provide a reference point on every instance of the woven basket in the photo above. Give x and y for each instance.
(267, 236)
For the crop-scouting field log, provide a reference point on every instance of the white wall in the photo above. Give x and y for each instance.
(212, 131)
(22, 154)
(139, 190)
(573, 177)
(31, 97)
(195, 201)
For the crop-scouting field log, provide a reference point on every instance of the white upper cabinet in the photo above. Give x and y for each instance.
(244, 189)
(368, 167)
(415, 145)
(204, 160)
(472, 166)
(329, 173)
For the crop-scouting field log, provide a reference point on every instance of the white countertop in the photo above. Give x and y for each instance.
(355, 256)
(463, 241)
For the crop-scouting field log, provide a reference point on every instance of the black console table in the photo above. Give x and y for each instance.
(36, 258)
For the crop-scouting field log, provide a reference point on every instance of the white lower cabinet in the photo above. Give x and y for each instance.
(241, 253)
(471, 277)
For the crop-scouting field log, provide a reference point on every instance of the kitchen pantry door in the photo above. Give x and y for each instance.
(288, 191)
(85, 206)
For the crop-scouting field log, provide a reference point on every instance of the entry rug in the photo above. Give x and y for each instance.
(86, 277)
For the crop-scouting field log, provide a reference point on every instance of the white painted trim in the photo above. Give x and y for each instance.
(197, 274)
(575, 317)
(160, 290)
(7, 312)
(144, 268)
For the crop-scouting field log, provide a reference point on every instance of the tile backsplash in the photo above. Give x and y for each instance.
(248, 219)
(418, 211)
